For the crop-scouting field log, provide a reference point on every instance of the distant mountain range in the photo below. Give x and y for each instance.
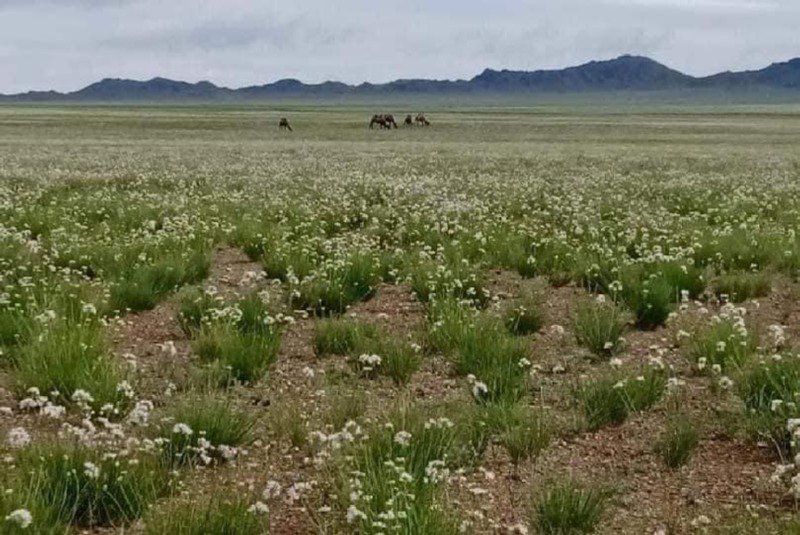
(625, 73)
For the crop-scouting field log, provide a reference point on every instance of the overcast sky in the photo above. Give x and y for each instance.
(67, 44)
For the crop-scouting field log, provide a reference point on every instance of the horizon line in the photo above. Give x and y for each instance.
(368, 83)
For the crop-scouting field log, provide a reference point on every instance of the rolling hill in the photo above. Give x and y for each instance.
(625, 73)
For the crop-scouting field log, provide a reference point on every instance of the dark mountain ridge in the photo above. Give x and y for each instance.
(625, 73)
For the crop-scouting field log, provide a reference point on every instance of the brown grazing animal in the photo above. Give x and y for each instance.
(390, 122)
(284, 124)
(379, 120)
(383, 121)
(409, 121)
(422, 120)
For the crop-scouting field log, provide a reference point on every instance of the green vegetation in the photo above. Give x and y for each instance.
(135, 333)
(218, 514)
(569, 507)
(678, 441)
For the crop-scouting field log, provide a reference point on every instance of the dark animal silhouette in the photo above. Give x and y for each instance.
(422, 120)
(379, 120)
(409, 120)
(383, 121)
(284, 124)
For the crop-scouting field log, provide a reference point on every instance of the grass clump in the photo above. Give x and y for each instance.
(496, 360)
(397, 358)
(525, 318)
(248, 356)
(395, 476)
(723, 345)
(768, 388)
(72, 358)
(145, 285)
(739, 287)
(72, 485)
(452, 280)
(16, 326)
(649, 299)
(569, 508)
(686, 281)
(215, 515)
(678, 441)
(344, 406)
(449, 323)
(480, 347)
(291, 262)
(523, 433)
(333, 288)
(193, 305)
(204, 429)
(372, 351)
(611, 399)
(599, 327)
(338, 336)
(289, 422)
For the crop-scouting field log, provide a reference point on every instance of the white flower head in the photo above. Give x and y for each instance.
(182, 429)
(479, 390)
(259, 508)
(91, 470)
(20, 517)
(403, 438)
(18, 438)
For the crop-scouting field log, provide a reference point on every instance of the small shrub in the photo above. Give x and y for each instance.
(523, 433)
(344, 406)
(495, 359)
(599, 327)
(399, 359)
(248, 356)
(216, 422)
(216, 515)
(681, 278)
(15, 326)
(70, 358)
(400, 468)
(337, 336)
(569, 508)
(526, 318)
(85, 488)
(255, 316)
(193, 304)
(678, 441)
(449, 323)
(142, 288)
(740, 287)
(650, 300)
(768, 389)
(725, 344)
(457, 280)
(288, 421)
(610, 400)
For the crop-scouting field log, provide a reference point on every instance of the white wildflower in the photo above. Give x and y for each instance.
(182, 429)
(403, 438)
(18, 438)
(20, 517)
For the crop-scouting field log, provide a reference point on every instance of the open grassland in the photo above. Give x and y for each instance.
(518, 320)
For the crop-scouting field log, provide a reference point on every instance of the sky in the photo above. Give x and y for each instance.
(68, 44)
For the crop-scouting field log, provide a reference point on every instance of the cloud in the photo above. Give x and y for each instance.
(65, 44)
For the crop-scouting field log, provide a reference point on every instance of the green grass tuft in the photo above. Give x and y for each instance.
(569, 508)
